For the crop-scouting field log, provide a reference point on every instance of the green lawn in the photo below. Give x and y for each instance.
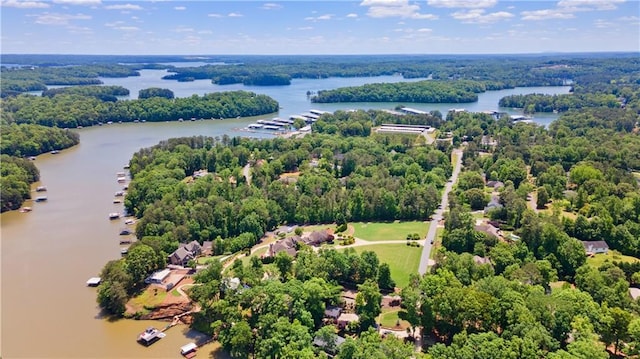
(319, 227)
(390, 319)
(599, 259)
(402, 259)
(378, 231)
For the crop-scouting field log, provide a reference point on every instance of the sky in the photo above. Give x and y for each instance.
(318, 27)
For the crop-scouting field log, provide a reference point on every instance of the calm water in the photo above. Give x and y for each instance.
(48, 254)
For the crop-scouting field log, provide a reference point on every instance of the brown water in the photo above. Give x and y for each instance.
(48, 254)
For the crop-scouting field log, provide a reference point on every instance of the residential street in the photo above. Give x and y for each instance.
(431, 235)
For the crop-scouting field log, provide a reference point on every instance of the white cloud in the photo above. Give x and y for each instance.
(424, 29)
(78, 2)
(205, 32)
(565, 9)
(123, 7)
(235, 14)
(383, 2)
(58, 19)
(586, 5)
(352, 15)
(127, 28)
(395, 8)
(478, 16)
(183, 29)
(271, 6)
(471, 4)
(24, 4)
(305, 28)
(321, 17)
(602, 24)
(214, 15)
(180, 8)
(546, 14)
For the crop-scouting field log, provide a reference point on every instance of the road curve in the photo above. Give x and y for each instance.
(437, 216)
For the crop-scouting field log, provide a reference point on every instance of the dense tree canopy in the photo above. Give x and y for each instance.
(76, 110)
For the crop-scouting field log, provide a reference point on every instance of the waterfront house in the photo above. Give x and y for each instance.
(180, 256)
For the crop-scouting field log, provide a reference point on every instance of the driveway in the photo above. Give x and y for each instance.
(437, 216)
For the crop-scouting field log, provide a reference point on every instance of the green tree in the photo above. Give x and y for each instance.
(368, 303)
(543, 198)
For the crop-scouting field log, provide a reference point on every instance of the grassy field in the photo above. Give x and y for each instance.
(599, 259)
(402, 259)
(390, 319)
(378, 231)
(150, 298)
(319, 227)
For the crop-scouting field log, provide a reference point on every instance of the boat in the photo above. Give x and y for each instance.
(117, 200)
(94, 281)
(130, 221)
(124, 251)
(41, 199)
(55, 152)
(150, 336)
(189, 350)
(120, 174)
(114, 215)
(122, 179)
(125, 241)
(25, 209)
(41, 189)
(125, 232)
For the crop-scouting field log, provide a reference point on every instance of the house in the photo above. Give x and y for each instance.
(207, 248)
(635, 293)
(493, 204)
(331, 345)
(316, 238)
(193, 247)
(488, 229)
(180, 256)
(481, 260)
(495, 184)
(332, 312)
(595, 247)
(288, 245)
(345, 318)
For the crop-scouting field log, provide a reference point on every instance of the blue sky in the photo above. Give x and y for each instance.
(318, 27)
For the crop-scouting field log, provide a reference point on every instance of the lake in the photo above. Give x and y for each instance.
(48, 254)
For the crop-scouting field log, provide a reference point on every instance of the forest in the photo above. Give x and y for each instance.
(422, 92)
(72, 110)
(18, 172)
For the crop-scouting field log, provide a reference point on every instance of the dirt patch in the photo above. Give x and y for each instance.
(167, 312)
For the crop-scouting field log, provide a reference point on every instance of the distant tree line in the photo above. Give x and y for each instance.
(22, 79)
(532, 103)
(421, 92)
(77, 110)
(103, 93)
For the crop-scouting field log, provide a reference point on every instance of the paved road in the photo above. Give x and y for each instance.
(431, 235)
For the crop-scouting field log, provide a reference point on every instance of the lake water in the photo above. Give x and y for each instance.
(49, 253)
